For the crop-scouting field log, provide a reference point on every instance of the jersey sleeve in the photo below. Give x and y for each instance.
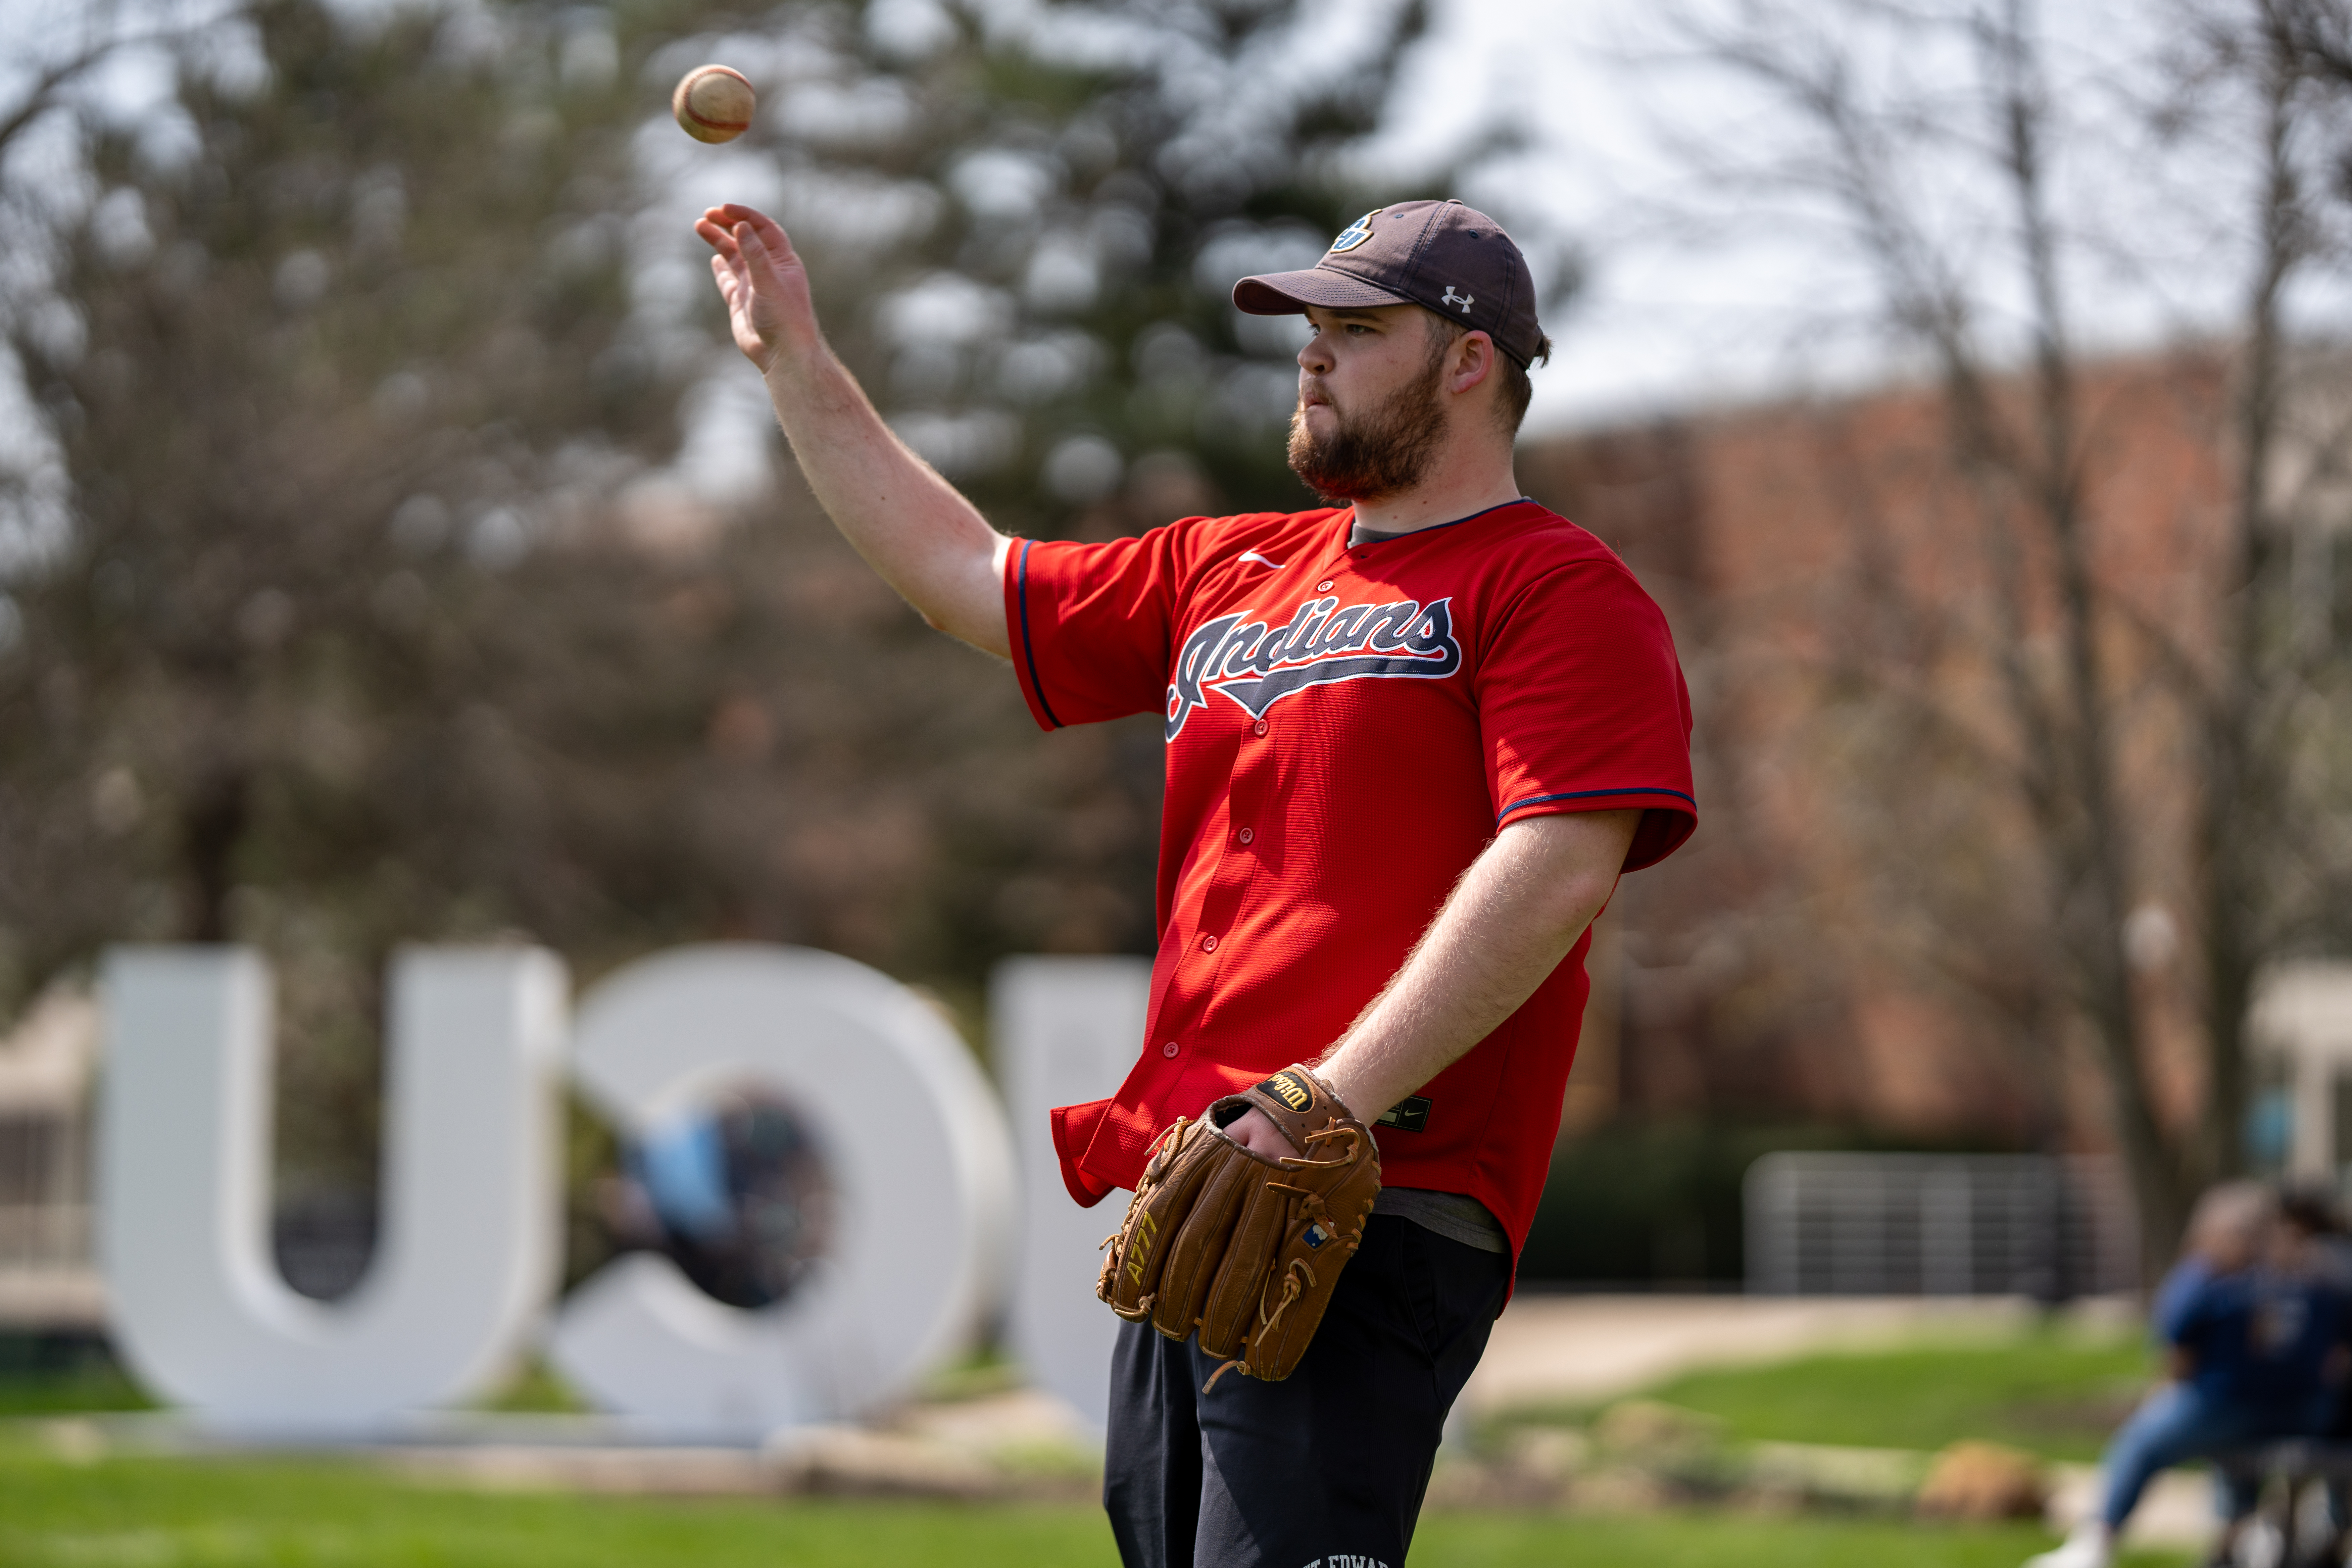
(1091, 624)
(1582, 707)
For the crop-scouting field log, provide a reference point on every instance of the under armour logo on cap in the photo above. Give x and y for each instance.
(1445, 257)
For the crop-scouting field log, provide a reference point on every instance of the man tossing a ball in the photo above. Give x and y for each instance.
(1414, 737)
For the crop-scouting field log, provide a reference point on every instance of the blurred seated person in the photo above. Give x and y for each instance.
(2312, 1236)
(2313, 1239)
(2250, 1335)
(736, 1193)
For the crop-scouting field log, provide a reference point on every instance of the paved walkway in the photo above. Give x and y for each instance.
(1587, 1349)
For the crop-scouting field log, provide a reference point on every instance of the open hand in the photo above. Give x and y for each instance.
(764, 283)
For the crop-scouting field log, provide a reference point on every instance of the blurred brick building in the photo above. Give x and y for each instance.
(1854, 935)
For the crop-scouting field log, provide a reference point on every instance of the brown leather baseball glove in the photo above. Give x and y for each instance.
(1243, 1249)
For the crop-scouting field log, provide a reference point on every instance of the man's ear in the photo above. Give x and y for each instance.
(1471, 363)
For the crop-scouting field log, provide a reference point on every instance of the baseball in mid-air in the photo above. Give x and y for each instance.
(713, 103)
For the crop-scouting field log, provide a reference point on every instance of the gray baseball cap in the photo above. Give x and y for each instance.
(1454, 259)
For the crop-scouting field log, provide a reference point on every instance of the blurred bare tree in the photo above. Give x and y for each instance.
(415, 572)
(2059, 710)
(313, 369)
(1025, 222)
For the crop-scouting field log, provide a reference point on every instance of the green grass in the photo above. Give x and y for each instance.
(536, 1389)
(160, 1513)
(2056, 1392)
(1727, 1540)
(199, 1513)
(87, 1385)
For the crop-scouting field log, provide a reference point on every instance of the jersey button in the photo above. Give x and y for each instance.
(1247, 834)
(1208, 944)
(1258, 728)
(1169, 1049)
(1323, 587)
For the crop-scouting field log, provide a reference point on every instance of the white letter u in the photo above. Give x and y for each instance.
(467, 1259)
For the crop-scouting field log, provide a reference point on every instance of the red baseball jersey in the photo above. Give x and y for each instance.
(1348, 726)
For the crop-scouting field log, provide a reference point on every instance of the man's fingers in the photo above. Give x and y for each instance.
(1255, 1131)
(758, 255)
(746, 247)
(734, 212)
(740, 234)
(724, 250)
(752, 240)
(767, 230)
(771, 233)
(729, 271)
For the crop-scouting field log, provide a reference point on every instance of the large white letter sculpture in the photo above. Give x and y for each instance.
(918, 1158)
(471, 1202)
(1066, 1029)
(915, 1145)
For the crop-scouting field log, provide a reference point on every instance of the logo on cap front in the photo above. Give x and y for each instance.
(1355, 234)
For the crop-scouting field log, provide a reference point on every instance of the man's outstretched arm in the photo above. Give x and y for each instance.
(1510, 920)
(912, 526)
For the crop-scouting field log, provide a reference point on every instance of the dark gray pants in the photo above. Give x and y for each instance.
(1326, 1467)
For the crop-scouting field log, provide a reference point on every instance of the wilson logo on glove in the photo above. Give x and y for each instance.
(1295, 1094)
(1252, 1247)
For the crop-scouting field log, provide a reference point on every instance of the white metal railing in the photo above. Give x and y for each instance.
(49, 1275)
(1938, 1225)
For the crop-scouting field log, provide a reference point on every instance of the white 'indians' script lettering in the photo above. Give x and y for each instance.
(1257, 665)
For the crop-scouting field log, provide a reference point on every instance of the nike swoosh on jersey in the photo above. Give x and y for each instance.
(1254, 555)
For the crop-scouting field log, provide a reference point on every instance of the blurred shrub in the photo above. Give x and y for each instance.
(1650, 1204)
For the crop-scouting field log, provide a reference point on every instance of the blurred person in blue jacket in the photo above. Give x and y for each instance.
(737, 1194)
(2253, 1339)
(2312, 1238)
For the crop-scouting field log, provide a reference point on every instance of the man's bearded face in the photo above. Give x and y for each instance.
(1371, 454)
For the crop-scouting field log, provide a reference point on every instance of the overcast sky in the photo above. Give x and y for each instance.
(1758, 299)
(1761, 296)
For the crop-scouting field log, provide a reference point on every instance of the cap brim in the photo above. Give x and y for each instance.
(1288, 293)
